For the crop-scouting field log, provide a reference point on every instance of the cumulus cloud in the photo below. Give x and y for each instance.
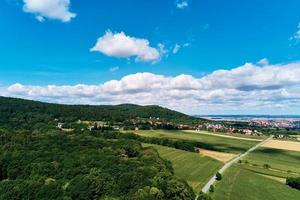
(52, 9)
(250, 87)
(122, 46)
(182, 4)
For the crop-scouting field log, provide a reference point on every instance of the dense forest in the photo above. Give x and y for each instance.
(56, 165)
(39, 161)
(20, 112)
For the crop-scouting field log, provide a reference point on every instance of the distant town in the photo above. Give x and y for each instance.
(287, 121)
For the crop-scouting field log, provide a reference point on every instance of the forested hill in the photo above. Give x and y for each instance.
(13, 109)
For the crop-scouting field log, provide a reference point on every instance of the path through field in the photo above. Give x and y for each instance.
(227, 165)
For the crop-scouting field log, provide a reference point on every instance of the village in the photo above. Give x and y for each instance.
(254, 128)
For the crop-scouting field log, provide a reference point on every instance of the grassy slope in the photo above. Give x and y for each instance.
(278, 159)
(239, 183)
(192, 167)
(222, 144)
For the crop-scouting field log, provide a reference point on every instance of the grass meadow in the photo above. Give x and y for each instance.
(279, 160)
(192, 167)
(222, 144)
(239, 183)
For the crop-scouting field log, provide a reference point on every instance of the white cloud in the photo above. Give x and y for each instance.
(263, 62)
(249, 88)
(52, 9)
(182, 4)
(114, 69)
(186, 44)
(296, 36)
(122, 46)
(40, 18)
(176, 48)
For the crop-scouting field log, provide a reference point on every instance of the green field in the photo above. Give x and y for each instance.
(239, 183)
(281, 160)
(192, 167)
(239, 135)
(217, 143)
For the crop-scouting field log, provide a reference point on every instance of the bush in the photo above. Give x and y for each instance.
(293, 182)
(218, 176)
(203, 196)
(211, 189)
(266, 166)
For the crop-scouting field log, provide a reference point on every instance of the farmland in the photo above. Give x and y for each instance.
(285, 145)
(253, 180)
(240, 183)
(235, 135)
(280, 160)
(221, 156)
(222, 144)
(192, 167)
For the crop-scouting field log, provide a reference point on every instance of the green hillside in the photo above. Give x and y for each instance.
(19, 111)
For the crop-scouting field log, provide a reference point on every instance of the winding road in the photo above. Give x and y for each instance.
(228, 164)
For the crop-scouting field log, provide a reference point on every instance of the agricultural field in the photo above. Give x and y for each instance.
(192, 167)
(284, 145)
(239, 183)
(279, 160)
(222, 144)
(235, 135)
(221, 156)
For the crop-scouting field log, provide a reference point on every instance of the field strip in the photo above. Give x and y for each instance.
(281, 180)
(220, 135)
(223, 157)
(285, 145)
(233, 182)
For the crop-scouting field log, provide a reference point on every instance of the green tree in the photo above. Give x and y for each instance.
(218, 176)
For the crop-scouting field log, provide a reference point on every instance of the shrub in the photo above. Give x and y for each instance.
(203, 196)
(211, 189)
(266, 166)
(293, 182)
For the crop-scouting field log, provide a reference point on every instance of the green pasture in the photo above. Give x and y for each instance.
(280, 160)
(239, 183)
(192, 167)
(217, 143)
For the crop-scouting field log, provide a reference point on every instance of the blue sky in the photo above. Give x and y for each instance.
(39, 47)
